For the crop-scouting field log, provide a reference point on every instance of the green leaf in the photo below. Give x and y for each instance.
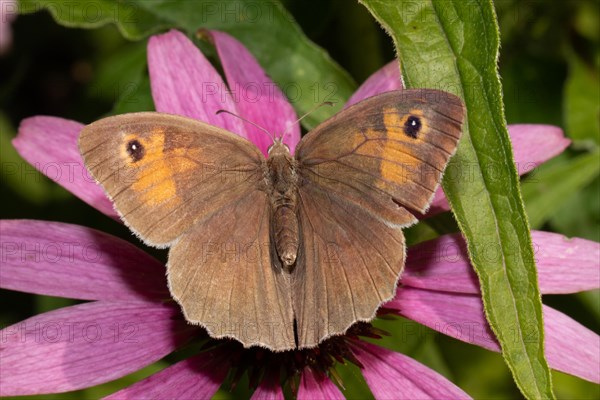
(133, 22)
(579, 215)
(591, 300)
(355, 386)
(119, 72)
(587, 19)
(429, 354)
(550, 186)
(482, 374)
(304, 71)
(49, 303)
(582, 108)
(443, 223)
(122, 80)
(571, 387)
(137, 98)
(453, 46)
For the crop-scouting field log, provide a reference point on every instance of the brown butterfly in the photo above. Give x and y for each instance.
(285, 251)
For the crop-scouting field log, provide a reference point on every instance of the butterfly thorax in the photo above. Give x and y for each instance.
(282, 187)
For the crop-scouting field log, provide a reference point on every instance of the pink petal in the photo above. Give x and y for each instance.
(563, 265)
(532, 145)
(50, 145)
(258, 99)
(440, 264)
(566, 265)
(269, 389)
(72, 261)
(569, 346)
(385, 79)
(392, 375)
(315, 386)
(85, 345)
(439, 203)
(198, 377)
(535, 144)
(457, 315)
(185, 83)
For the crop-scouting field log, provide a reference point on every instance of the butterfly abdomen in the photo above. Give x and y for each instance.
(282, 188)
(285, 229)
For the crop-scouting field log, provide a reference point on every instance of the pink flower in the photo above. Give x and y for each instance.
(130, 321)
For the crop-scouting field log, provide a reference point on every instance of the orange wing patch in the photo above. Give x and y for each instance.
(398, 163)
(155, 181)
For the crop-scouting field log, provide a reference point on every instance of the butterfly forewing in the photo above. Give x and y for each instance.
(393, 146)
(165, 172)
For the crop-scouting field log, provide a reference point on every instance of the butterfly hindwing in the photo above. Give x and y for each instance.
(349, 264)
(222, 271)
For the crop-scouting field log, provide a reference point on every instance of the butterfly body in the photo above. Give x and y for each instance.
(287, 250)
(282, 188)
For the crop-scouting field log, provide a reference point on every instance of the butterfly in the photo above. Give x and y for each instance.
(287, 250)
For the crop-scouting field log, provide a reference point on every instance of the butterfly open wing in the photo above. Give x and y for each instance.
(181, 183)
(360, 173)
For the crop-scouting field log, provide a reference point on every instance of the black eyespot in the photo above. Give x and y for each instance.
(135, 150)
(412, 126)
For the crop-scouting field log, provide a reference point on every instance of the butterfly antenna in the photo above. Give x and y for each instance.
(250, 122)
(287, 130)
